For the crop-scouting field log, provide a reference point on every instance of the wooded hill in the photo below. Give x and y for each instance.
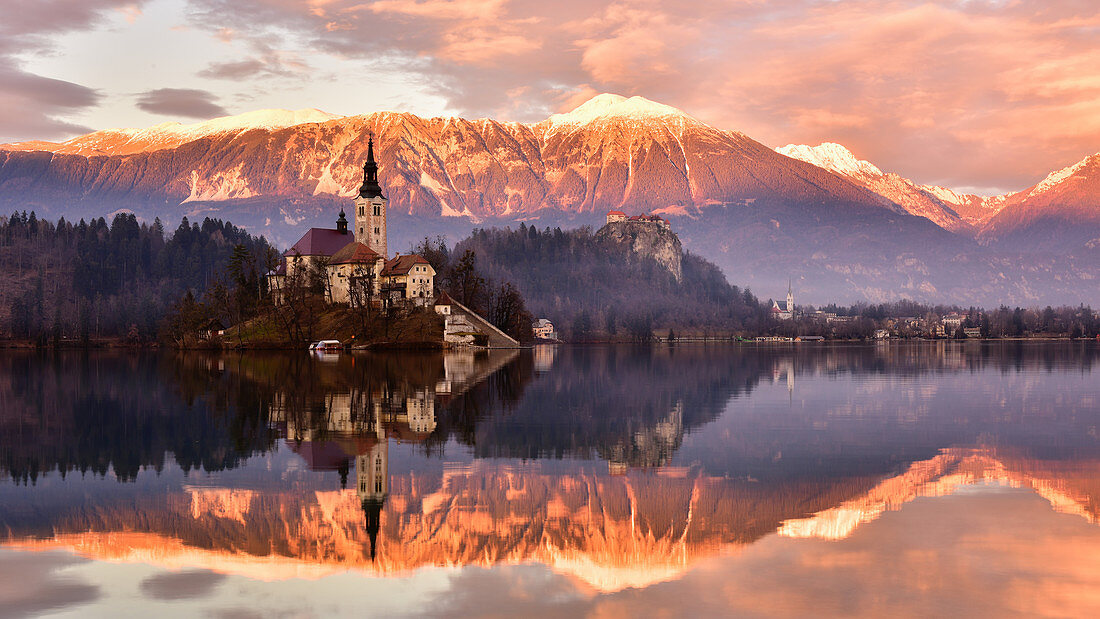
(88, 280)
(587, 287)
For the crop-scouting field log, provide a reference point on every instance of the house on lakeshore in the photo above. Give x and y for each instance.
(543, 329)
(952, 322)
(211, 329)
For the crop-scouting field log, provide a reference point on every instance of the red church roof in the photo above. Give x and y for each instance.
(616, 213)
(320, 242)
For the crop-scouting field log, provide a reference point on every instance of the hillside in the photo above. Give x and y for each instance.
(593, 285)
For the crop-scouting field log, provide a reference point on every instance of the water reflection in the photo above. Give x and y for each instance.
(621, 467)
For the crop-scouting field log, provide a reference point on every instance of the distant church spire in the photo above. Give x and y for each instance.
(790, 296)
(370, 188)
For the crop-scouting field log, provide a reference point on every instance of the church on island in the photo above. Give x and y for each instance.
(355, 269)
(356, 262)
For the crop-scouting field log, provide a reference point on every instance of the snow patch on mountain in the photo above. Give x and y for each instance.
(947, 195)
(610, 105)
(327, 184)
(430, 183)
(831, 156)
(229, 185)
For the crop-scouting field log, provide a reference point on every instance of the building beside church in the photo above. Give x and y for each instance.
(409, 277)
(354, 263)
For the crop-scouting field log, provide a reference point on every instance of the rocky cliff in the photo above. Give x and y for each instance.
(645, 239)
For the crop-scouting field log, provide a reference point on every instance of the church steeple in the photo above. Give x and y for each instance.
(342, 223)
(370, 187)
(370, 207)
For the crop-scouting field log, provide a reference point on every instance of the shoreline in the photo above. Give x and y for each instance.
(421, 346)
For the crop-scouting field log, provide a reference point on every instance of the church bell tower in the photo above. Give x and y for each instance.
(370, 207)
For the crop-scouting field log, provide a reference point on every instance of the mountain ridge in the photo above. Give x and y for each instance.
(851, 230)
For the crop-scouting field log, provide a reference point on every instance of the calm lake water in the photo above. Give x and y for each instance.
(794, 480)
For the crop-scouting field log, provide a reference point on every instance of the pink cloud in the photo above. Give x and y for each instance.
(944, 91)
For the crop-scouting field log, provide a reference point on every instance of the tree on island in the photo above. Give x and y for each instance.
(464, 283)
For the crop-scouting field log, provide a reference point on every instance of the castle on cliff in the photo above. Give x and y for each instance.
(617, 216)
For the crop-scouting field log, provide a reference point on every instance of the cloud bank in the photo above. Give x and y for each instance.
(186, 102)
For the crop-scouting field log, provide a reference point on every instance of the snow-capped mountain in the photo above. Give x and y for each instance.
(610, 152)
(945, 207)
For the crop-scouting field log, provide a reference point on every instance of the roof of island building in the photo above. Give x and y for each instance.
(401, 265)
(444, 299)
(354, 253)
(319, 242)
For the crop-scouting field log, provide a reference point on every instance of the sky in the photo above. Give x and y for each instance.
(977, 95)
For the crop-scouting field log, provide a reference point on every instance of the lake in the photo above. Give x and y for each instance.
(893, 479)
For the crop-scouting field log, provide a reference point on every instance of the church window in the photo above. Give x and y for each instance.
(377, 210)
(376, 230)
(360, 210)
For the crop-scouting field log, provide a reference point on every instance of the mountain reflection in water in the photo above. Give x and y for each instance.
(619, 466)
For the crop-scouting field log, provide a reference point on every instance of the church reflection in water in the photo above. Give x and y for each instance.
(622, 467)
